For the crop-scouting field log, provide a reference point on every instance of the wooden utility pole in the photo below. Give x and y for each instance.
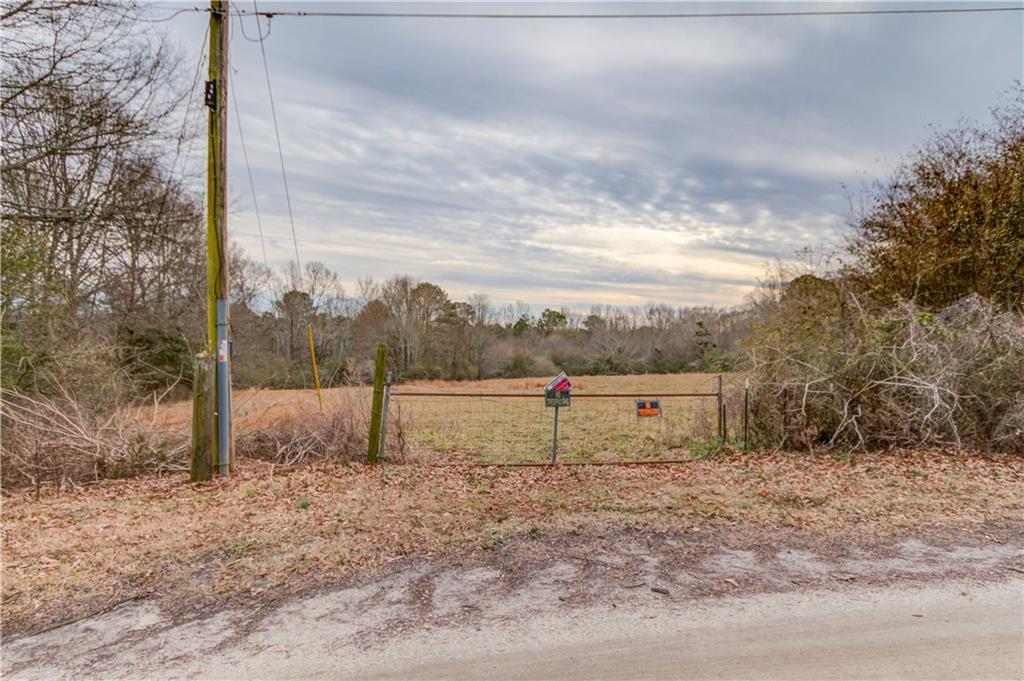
(203, 461)
(217, 232)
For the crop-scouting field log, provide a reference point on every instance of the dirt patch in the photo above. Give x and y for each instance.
(266, 536)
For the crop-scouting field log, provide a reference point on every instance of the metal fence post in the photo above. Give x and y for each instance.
(554, 440)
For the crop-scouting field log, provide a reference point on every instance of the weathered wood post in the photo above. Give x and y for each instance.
(202, 464)
(377, 408)
(721, 411)
(746, 414)
(785, 417)
(384, 416)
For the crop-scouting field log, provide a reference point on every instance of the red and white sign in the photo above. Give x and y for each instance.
(559, 382)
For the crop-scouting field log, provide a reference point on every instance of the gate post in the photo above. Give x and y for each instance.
(377, 408)
(721, 411)
(384, 415)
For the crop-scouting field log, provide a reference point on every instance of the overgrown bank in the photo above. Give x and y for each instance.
(914, 334)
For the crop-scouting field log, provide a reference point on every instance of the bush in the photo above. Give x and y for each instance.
(59, 440)
(831, 374)
(156, 359)
(338, 436)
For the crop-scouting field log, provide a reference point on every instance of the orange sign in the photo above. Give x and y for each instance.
(648, 408)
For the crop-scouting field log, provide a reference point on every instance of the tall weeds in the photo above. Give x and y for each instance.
(63, 441)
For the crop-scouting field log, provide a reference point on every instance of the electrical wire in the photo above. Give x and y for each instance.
(621, 15)
(248, 169)
(629, 15)
(188, 104)
(280, 152)
(259, 32)
(170, 184)
(160, 20)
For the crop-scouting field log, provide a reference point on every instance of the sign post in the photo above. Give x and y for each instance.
(554, 440)
(557, 394)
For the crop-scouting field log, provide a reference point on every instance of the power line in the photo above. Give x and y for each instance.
(181, 137)
(248, 169)
(160, 20)
(621, 15)
(188, 107)
(280, 151)
(630, 15)
(259, 32)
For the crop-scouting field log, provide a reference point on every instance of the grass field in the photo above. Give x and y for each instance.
(495, 429)
(499, 429)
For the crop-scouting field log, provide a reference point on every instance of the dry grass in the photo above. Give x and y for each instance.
(268, 532)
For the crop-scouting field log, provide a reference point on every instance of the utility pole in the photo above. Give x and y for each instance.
(217, 232)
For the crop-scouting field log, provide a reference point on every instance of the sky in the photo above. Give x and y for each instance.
(580, 162)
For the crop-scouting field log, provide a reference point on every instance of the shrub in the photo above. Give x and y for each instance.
(829, 373)
(63, 441)
(337, 436)
(156, 358)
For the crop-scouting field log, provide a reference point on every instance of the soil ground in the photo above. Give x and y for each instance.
(266, 534)
(720, 603)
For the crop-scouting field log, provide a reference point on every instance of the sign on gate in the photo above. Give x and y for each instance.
(645, 408)
(557, 392)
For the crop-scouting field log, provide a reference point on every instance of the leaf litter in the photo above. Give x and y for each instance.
(267, 534)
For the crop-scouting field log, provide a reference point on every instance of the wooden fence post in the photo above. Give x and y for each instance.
(201, 464)
(746, 415)
(377, 409)
(721, 411)
(785, 417)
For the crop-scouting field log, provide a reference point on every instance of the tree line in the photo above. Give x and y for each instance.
(430, 335)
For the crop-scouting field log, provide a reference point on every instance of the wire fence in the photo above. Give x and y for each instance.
(506, 427)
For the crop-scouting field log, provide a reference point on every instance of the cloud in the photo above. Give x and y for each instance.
(592, 162)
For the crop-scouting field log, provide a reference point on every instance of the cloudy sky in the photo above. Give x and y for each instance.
(585, 162)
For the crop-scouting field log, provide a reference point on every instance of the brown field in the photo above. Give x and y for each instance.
(515, 430)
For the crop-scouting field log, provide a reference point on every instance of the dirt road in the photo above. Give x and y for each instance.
(632, 610)
(952, 631)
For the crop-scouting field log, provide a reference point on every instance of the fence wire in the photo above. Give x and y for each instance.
(463, 426)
